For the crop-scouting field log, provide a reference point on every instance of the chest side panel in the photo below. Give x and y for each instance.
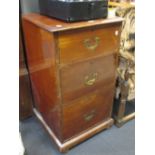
(41, 55)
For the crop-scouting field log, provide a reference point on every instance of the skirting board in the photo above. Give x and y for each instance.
(63, 147)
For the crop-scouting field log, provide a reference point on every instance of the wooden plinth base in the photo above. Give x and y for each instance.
(63, 147)
(123, 120)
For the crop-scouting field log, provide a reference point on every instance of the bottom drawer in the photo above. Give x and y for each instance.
(87, 111)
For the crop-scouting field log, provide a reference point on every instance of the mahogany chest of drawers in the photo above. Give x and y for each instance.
(72, 69)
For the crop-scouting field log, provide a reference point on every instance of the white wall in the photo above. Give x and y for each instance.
(29, 6)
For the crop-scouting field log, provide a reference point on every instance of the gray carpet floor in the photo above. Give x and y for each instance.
(114, 141)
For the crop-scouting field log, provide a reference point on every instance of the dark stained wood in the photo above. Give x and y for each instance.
(55, 25)
(42, 67)
(72, 44)
(119, 122)
(73, 78)
(84, 112)
(70, 86)
(65, 146)
(25, 94)
(21, 53)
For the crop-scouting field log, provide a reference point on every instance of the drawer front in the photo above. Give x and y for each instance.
(87, 111)
(80, 78)
(82, 44)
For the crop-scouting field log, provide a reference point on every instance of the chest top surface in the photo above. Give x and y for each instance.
(54, 25)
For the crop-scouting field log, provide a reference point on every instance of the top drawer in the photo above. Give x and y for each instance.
(76, 45)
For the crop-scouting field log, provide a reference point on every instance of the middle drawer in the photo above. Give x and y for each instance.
(80, 78)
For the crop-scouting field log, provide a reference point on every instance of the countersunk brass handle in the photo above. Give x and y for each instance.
(89, 116)
(91, 44)
(91, 79)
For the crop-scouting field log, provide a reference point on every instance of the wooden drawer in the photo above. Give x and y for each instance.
(80, 78)
(82, 44)
(87, 111)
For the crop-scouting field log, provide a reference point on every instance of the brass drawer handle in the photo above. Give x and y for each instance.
(90, 80)
(90, 116)
(91, 44)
